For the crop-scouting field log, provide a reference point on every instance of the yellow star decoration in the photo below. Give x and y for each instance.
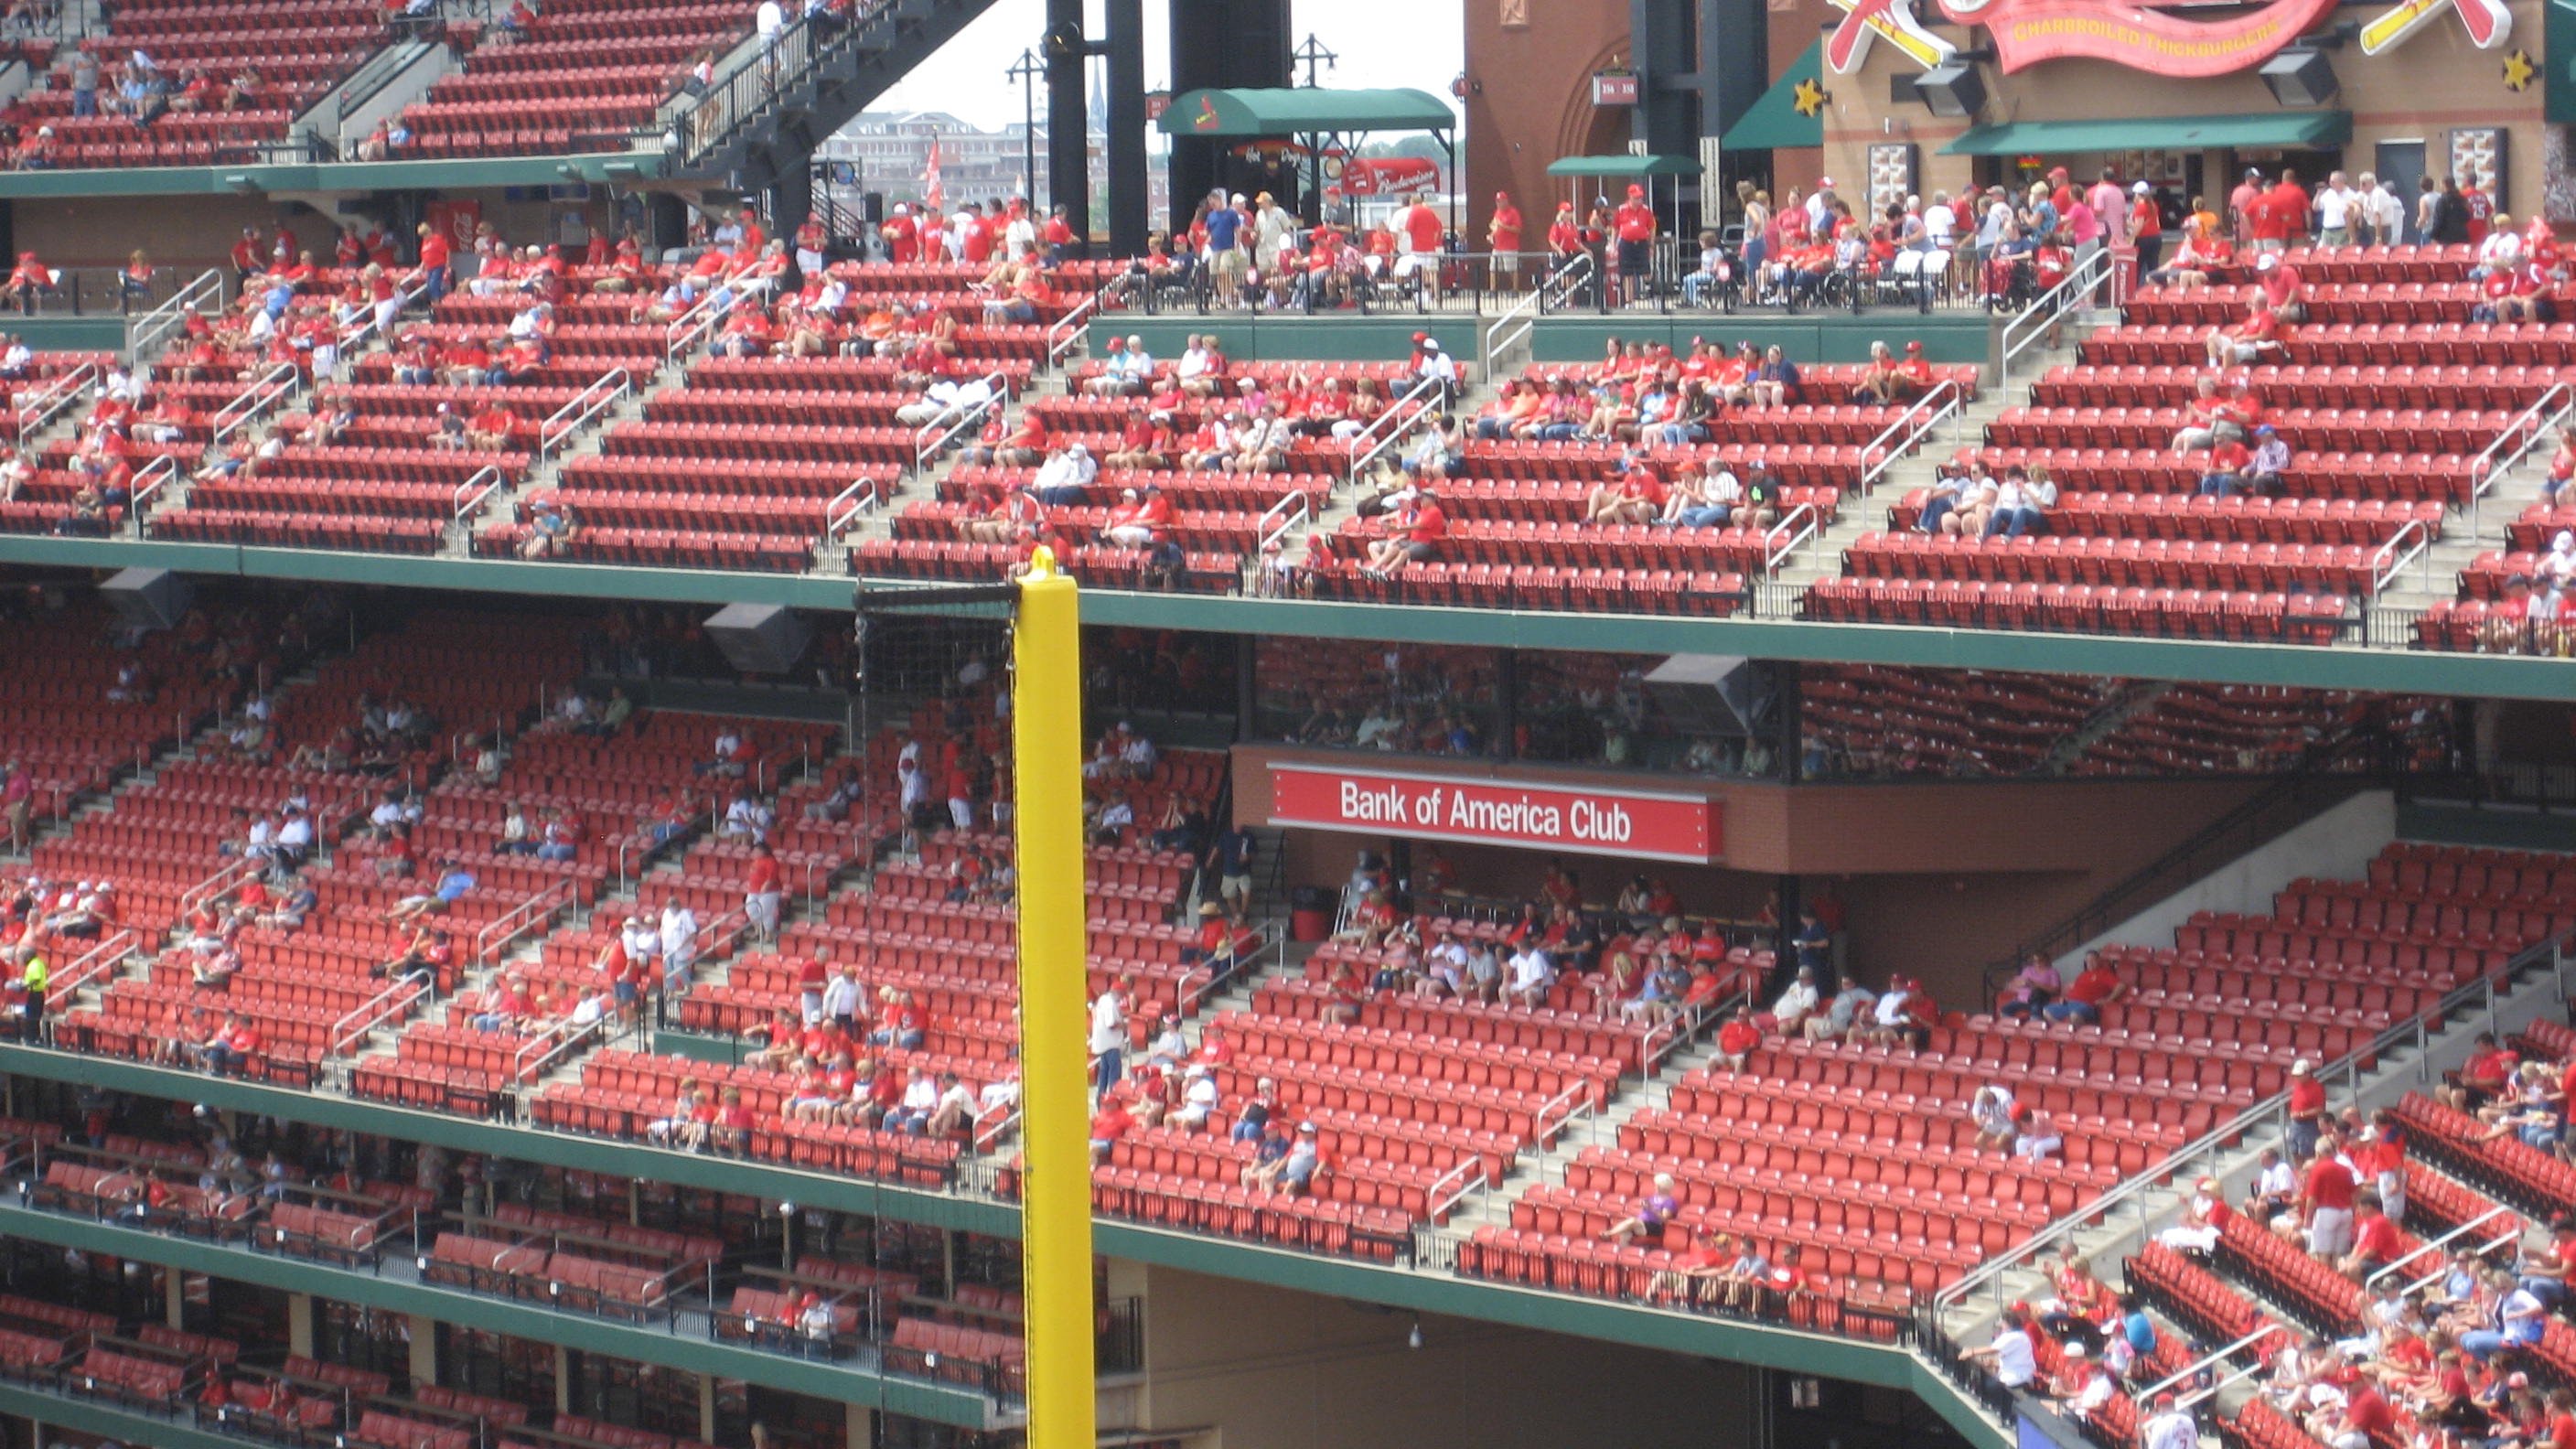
(2518, 71)
(1809, 98)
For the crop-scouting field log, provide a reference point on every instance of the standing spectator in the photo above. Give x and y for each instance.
(2326, 1202)
(1108, 1041)
(1634, 224)
(2307, 1110)
(761, 892)
(1503, 239)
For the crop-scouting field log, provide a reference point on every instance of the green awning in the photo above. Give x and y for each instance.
(1624, 167)
(2155, 133)
(1293, 111)
(1773, 121)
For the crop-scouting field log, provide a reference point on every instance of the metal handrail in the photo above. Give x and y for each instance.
(215, 885)
(2238, 1129)
(367, 324)
(518, 920)
(683, 333)
(490, 478)
(932, 438)
(95, 962)
(280, 383)
(375, 1012)
(1470, 1177)
(1953, 402)
(558, 1039)
(860, 497)
(2482, 1250)
(2048, 309)
(155, 476)
(1575, 1099)
(153, 328)
(1399, 419)
(1682, 1026)
(1775, 548)
(2515, 442)
(1291, 513)
(2433, 1245)
(38, 409)
(1521, 318)
(988, 1137)
(2219, 1355)
(2395, 563)
(2196, 1396)
(1071, 336)
(610, 388)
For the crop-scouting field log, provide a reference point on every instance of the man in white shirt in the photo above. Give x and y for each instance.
(590, 1008)
(2336, 204)
(2387, 214)
(679, 942)
(1108, 1039)
(945, 401)
(2500, 252)
(1061, 480)
(1529, 973)
(294, 839)
(1796, 1002)
(842, 995)
(1198, 1098)
(642, 941)
(1019, 234)
(2010, 1354)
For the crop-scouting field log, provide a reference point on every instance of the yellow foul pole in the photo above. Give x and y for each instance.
(1055, 1210)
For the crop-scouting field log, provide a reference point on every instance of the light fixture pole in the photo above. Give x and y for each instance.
(1026, 71)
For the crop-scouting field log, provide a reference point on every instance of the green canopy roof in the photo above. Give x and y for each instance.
(1289, 111)
(1624, 166)
(2155, 133)
(1772, 122)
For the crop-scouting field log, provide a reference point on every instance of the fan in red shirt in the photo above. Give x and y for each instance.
(1634, 224)
(2326, 1196)
(2375, 1240)
(1503, 239)
(1737, 1039)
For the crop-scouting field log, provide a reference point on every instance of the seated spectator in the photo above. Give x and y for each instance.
(551, 529)
(2193, 260)
(2035, 1136)
(2208, 419)
(2204, 1217)
(1774, 383)
(2225, 474)
(1993, 1111)
(1651, 1215)
(2256, 340)
(2093, 988)
(2264, 473)
(1737, 1038)
(1802, 997)
(2031, 990)
(1413, 536)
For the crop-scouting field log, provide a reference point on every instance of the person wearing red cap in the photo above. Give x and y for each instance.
(1503, 239)
(1634, 224)
(1564, 236)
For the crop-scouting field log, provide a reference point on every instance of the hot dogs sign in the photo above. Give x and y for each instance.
(2027, 32)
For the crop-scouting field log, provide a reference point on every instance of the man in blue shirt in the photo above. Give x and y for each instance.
(1226, 259)
(1235, 852)
(452, 885)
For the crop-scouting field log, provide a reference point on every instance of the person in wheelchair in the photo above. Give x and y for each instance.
(2007, 281)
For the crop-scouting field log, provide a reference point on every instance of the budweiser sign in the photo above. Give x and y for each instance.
(1586, 819)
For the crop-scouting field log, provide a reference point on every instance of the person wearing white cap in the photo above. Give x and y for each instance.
(2146, 226)
(1654, 1212)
